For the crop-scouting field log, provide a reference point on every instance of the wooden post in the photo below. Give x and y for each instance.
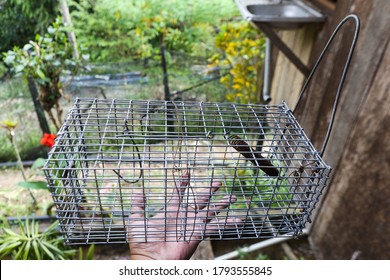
(37, 105)
(353, 218)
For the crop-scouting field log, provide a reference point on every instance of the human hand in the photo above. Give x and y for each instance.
(175, 232)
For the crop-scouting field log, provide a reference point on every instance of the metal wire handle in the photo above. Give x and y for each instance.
(343, 76)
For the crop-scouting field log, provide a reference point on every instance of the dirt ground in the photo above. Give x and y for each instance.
(17, 201)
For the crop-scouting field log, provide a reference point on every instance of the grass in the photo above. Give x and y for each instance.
(16, 105)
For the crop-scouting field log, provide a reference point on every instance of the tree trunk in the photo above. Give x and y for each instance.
(37, 105)
(67, 21)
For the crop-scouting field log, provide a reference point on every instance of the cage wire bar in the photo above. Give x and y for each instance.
(148, 171)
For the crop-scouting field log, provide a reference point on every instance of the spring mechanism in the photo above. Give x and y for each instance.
(255, 157)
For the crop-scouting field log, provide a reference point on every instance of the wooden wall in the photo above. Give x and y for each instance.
(287, 79)
(354, 216)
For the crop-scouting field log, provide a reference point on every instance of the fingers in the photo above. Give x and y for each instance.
(206, 222)
(214, 209)
(178, 192)
(137, 209)
(220, 227)
(202, 197)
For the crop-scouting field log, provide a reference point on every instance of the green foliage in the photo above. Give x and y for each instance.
(45, 59)
(262, 257)
(87, 256)
(3, 71)
(34, 185)
(38, 163)
(116, 29)
(274, 192)
(31, 244)
(241, 49)
(20, 20)
(243, 254)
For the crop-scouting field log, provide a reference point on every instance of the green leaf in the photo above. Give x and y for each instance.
(19, 252)
(36, 250)
(86, 56)
(8, 247)
(36, 185)
(18, 68)
(10, 232)
(10, 58)
(47, 40)
(55, 250)
(27, 228)
(40, 74)
(90, 253)
(56, 63)
(49, 57)
(52, 229)
(26, 250)
(81, 253)
(38, 163)
(69, 62)
(47, 251)
(51, 30)
(27, 47)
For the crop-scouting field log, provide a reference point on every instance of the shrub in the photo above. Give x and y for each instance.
(116, 29)
(45, 59)
(241, 49)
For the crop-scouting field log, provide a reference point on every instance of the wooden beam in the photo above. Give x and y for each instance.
(283, 48)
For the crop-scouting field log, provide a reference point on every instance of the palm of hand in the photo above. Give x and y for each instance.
(175, 232)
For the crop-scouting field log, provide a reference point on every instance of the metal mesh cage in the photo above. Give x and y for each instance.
(146, 171)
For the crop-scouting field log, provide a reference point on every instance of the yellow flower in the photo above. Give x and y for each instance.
(239, 80)
(224, 79)
(117, 14)
(9, 124)
(230, 97)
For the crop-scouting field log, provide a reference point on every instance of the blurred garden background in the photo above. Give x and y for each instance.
(173, 50)
(52, 52)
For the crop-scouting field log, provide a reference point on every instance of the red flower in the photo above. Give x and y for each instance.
(48, 139)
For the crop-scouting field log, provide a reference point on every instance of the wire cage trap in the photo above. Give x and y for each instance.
(150, 171)
(182, 170)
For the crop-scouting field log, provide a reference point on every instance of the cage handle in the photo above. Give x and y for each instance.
(343, 76)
